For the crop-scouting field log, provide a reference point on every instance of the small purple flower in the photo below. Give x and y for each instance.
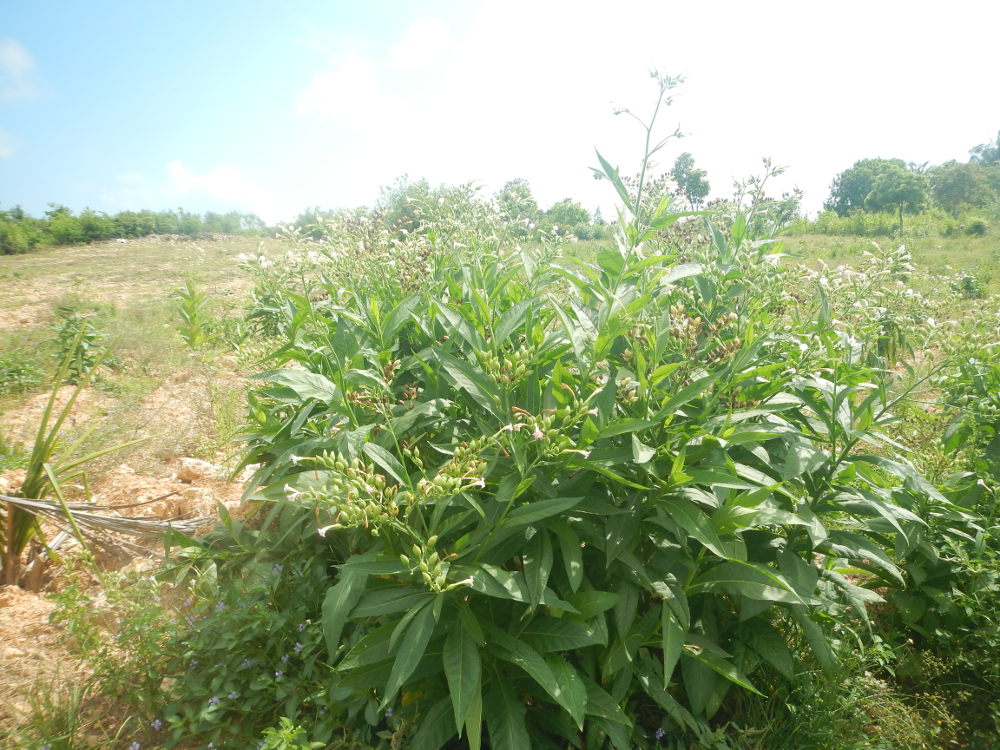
(279, 674)
(134, 746)
(190, 619)
(157, 725)
(214, 701)
(278, 567)
(298, 648)
(284, 658)
(233, 695)
(660, 734)
(302, 626)
(219, 606)
(157, 598)
(188, 602)
(246, 664)
(388, 712)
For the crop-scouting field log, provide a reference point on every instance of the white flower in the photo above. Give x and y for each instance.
(537, 434)
(322, 531)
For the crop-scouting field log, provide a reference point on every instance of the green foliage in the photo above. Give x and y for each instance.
(896, 187)
(526, 504)
(519, 207)
(987, 153)
(79, 342)
(955, 186)
(287, 736)
(851, 187)
(20, 371)
(196, 324)
(690, 180)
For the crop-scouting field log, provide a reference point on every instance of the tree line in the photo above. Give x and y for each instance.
(881, 185)
(21, 233)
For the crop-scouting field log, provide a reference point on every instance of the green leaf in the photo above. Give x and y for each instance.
(473, 382)
(686, 394)
(746, 579)
(505, 719)
(672, 641)
(571, 553)
(304, 384)
(572, 690)
(462, 669)
(623, 426)
(591, 602)
(436, 728)
(681, 271)
(696, 524)
(548, 634)
(723, 667)
(641, 453)
(539, 509)
(411, 650)
(387, 461)
(511, 319)
(337, 605)
(537, 563)
(612, 174)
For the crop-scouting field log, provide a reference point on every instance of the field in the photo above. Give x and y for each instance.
(885, 610)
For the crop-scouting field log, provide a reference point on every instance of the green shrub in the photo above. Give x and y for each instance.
(977, 228)
(583, 504)
(20, 371)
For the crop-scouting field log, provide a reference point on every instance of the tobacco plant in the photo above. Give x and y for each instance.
(557, 503)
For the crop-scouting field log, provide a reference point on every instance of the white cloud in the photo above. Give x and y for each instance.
(223, 184)
(18, 79)
(349, 94)
(425, 42)
(8, 145)
(223, 188)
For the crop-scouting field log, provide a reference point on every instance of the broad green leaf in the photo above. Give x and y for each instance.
(681, 271)
(591, 602)
(411, 650)
(470, 380)
(548, 634)
(641, 453)
(536, 510)
(672, 641)
(505, 718)
(537, 563)
(572, 691)
(686, 394)
(623, 426)
(696, 524)
(337, 605)
(305, 384)
(746, 579)
(722, 666)
(571, 553)
(435, 729)
(387, 461)
(462, 670)
(511, 319)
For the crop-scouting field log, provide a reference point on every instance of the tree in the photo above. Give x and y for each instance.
(690, 180)
(851, 187)
(569, 215)
(897, 188)
(954, 185)
(515, 200)
(986, 153)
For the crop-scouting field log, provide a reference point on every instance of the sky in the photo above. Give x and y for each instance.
(273, 107)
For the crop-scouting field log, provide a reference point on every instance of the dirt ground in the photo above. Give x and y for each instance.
(160, 477)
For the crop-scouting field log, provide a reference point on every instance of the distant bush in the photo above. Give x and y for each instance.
(20, 233)
(977, 228)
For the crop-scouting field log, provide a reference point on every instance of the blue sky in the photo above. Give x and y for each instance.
(275, 106)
